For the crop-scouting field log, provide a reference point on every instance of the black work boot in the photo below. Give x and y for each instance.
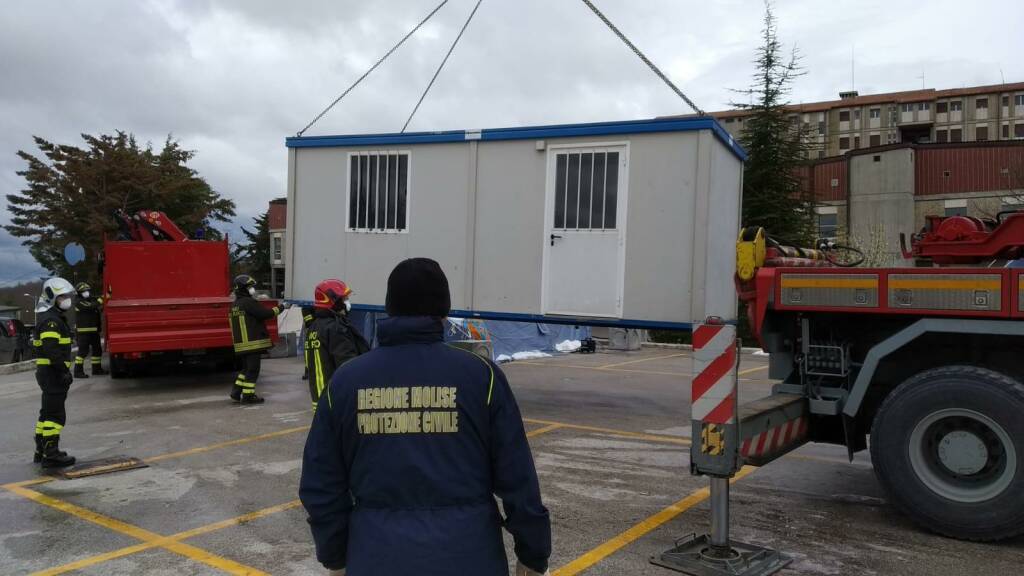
(53, 457)
(80, 371)
(97, 370)
(38, 456)
(236, 393)
(252, 399)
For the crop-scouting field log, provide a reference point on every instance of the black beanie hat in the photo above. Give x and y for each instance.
(418, 287)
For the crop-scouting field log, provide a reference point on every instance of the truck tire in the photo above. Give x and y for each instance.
(948, 447)
(118, 368)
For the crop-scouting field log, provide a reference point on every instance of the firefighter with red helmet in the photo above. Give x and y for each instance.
(249, 331)
(331, 339)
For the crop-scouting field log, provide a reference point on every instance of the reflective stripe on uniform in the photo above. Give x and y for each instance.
(319, 374)
(245, 385)
(96, 359)
(79, 360)
(276, 310)
(48, 428)
(64, 341)
(254, 345)
(49, 334)
(42, 361)
(83, 330)
(67, 363)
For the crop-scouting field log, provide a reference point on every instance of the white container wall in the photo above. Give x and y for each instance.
(625, 223)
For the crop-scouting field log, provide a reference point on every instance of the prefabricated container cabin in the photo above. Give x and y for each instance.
(617, 223)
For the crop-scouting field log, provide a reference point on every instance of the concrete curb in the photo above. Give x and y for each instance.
(25, 366)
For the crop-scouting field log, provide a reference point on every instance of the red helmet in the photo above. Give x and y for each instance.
(330, 293)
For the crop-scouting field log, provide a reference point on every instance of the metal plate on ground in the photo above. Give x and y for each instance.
(691, 556)
(97, 467)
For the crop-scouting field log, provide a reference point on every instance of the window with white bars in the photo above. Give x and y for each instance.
(378, 191)
(586, 190)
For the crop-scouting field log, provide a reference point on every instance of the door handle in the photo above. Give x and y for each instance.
(554, 237)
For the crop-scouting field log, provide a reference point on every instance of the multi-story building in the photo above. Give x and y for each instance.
(277, 222)
(853, 122)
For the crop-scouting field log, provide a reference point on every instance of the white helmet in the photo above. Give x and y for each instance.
(53, 288)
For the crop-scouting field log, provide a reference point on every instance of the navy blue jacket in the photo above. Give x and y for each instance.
(404, 459)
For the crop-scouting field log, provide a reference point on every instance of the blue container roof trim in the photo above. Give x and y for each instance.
(526, 133)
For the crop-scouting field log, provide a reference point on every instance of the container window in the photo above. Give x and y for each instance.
(828, 225)
(586, 190)
(378, 191)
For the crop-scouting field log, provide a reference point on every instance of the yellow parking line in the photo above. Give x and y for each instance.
(129, 550)
(226, 444)
(639, 530)
(752, 370)
(191, 552)
(614, 432)
(639, 360)
(543, 430)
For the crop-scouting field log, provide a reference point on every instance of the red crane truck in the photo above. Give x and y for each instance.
(167, 297)
(925, 360)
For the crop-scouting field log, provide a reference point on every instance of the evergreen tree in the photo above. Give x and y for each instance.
(773, 196)
(252, 256)
(71, 194)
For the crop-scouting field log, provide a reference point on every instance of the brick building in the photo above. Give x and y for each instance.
(277, 218)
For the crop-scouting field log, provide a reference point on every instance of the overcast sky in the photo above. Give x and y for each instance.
(232, 79)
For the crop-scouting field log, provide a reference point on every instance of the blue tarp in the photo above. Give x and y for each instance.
(506, 338)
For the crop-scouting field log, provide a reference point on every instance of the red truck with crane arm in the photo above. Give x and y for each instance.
(166, 297)
(924, 361)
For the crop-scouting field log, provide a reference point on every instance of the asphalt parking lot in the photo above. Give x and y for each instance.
(610, 435)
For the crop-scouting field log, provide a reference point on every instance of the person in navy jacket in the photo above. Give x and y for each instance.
(414, 441)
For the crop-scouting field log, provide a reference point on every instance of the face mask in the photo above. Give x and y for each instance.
(252, 291)
(348, 306)
(64, 304)
(85, 294)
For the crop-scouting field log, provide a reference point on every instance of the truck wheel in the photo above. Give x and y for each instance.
(948, 447)
(118, 368)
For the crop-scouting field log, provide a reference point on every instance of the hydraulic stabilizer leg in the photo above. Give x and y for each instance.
(715, 453)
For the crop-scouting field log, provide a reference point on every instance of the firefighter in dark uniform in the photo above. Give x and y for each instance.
(88, 315)
(409, 446)
(331, 339)
(249, 332)
(52, 342)
(307, 321)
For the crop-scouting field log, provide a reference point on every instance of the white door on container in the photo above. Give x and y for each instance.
(584, 238)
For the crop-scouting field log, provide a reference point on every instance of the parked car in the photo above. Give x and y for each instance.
(15, 341)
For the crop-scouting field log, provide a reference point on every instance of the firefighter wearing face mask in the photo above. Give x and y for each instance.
(331, 339)
(88, 313)
(249, 331)
(52, 342)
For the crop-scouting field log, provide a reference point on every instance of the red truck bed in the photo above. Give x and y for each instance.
(169, 298)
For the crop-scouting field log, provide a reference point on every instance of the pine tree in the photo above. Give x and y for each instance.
(773, 196)
(71, 194)
(253, 255)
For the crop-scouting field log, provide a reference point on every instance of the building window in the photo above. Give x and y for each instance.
(941, 136)
(907, 108)
(875, 113)
(956, 135)
(728, 120)
(981, 133)
(875, 140)
(828, 222)
(956, 207)
(586, 190)
(1011, 204)
(856, 141)
(856, 114)
(1018, 130)
(1018, 100)
(378, 191)
(956, 106)
(1006, 101)
(821, 127)
(1006, 131)
(277, 248)
(821, 154)
(844, 143)
(924, 106)
(940, 107)
(844, 115)
(740, 120)
(981, 103)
